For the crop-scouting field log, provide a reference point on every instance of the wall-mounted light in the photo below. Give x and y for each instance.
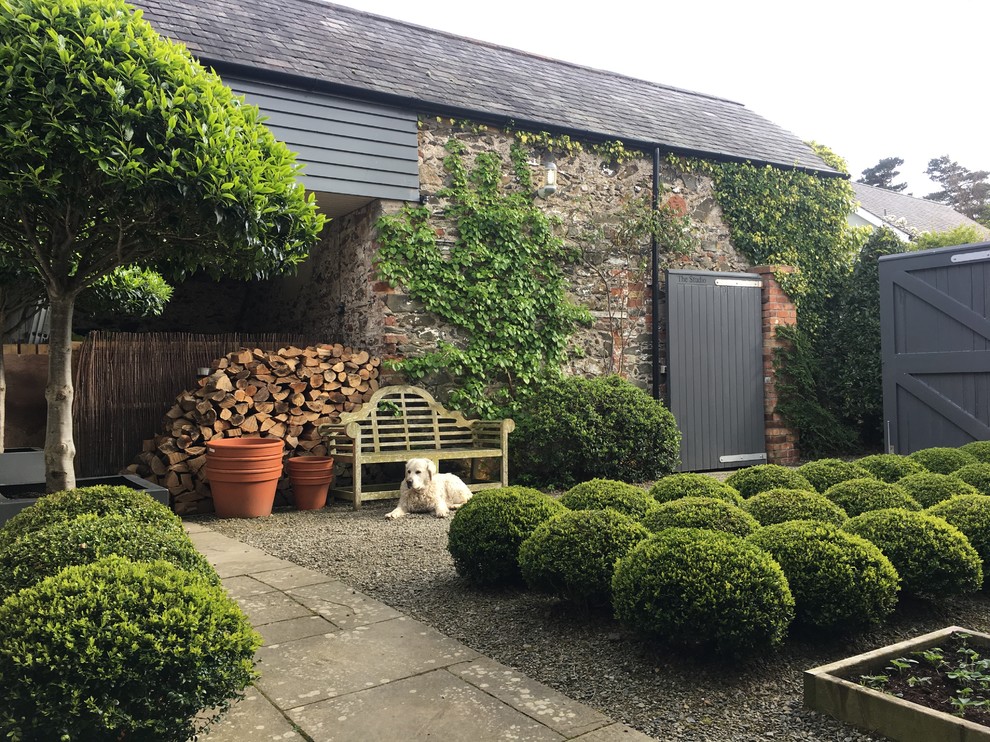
(550, 187)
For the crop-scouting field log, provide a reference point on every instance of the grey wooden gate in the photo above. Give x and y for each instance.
(935, 344)
(715, 368)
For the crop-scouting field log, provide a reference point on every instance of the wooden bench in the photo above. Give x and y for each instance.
(399, 423)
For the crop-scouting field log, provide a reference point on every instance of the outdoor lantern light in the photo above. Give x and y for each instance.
(551, 183)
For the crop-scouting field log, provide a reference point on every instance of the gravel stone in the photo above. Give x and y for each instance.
(665, 692)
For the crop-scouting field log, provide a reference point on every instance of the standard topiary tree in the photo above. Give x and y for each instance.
(933, 558)
(781, 505)
(971, 515)
(839, 581)
(943, 460)
(701, 512)
(576, 429)
(929, 488)
(763, 477)
(487, 530)
(598, 494)
(46, 551)
(857, 496)
(979, 449)
(690, 484)
(122, 150)
(573, 556)
(703, 588)
(976, 475)
(97, 500)
(118, 650)
(890, 467)
(825, 472)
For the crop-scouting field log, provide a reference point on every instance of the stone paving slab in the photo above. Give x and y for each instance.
(557, 711)
(271, 607)
(242, 586)
(434, 707)
(232, 558)
(614, 733)
(253, 718)
(312, 669)
(291, 577)
(280, 632)
(343, 605)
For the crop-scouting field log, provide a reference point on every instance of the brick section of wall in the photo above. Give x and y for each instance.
(778, 309)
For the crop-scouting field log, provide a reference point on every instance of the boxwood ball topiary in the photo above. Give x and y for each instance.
(598, 494)
(703, 588)
(857, 496)
(839, 581)
(823, 473)
(977, 475)
(971, 515)
(46, 551)
(932, 557)
(575, 429)
(890, 467)
(701, 512)
(118, 650)
(573, 556)
(763, 477)
(928, 488)
(780, 505)
(487, 530)
(97, 500)
(689, 484)
(979, 449)
(943, 460)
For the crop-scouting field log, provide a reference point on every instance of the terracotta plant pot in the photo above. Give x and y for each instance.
(310, 477)
(243, 448)
(243, 493)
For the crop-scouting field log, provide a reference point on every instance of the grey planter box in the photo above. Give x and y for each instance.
(900, 720)
(21, 465)
(11, 506)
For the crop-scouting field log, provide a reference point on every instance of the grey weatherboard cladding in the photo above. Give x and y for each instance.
(935, 339)
(715, 368)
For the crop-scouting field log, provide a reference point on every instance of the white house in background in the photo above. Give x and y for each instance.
(906, 216)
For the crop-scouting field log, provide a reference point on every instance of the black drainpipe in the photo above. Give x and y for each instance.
(655, 288)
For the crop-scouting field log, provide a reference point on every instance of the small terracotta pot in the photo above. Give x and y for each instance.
(310, 477)
(309, 463)
(245, 447)
(310, 496)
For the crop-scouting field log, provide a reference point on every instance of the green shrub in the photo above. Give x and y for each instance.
(971, 515)
(98, 500)
(116, 650)
(763, 477)
(825, 472)
(576, 429)
(977, 475)
(675, 486)
(979, 449)
(573, 556)
(599, 494)
(703, 588)
(701, 512)
(487, 530)
(928, 488)
(890, 467)
(781, 505)
(943, 460)
(46, 551)
(839, 581)
(932, 557)
(857, 496)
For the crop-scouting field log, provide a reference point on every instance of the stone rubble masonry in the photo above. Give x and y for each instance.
(778, 309)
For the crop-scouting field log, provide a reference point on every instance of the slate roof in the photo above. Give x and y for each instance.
(355, 53)
(912, 214)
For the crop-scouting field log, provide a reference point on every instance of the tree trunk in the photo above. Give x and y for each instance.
(59, 448)
(3, 382)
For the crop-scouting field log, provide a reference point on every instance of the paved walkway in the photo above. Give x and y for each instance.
(339, 666)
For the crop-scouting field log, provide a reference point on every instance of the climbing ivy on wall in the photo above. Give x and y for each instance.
(501, 284)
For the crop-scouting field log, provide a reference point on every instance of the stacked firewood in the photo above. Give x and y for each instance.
(286, 394)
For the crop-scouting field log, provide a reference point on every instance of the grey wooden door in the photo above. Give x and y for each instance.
(715, 368)
(935, 341)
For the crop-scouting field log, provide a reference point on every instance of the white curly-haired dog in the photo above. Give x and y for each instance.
(425, 491)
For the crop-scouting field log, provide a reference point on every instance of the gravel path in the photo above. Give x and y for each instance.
(589, 657)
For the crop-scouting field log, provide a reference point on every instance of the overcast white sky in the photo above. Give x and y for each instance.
(870, 79)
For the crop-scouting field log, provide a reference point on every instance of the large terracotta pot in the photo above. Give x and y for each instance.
(310, 477)
(224, 448)
(244, 474)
